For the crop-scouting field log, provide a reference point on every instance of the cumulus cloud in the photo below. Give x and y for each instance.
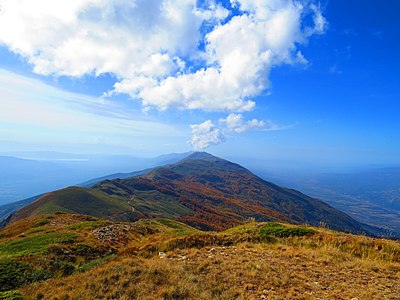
(209, 55)
(235, 123)
(183, 54)
(207, 133)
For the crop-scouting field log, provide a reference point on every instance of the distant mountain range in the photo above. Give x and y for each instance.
(33, 173)
(201, 190)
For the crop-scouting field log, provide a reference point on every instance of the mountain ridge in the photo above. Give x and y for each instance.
(201, 190)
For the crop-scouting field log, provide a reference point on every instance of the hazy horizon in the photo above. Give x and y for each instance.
(309, 81)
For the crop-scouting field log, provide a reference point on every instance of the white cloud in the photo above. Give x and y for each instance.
(207, 133)
(152, 47)
(235, 123)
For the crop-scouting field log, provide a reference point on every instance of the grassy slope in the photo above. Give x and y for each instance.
(113, 203)
(8, 209)
(77, 200)
(147, 202)
(203, 191)
(98, 259)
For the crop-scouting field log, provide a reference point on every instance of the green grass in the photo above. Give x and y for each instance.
(37, 229)
(158, 205)
(13, 274)
(170, 226)
(269, 230)
(87, 224)
(10, 295)
(35, 244)
(95, 263)
(42, 222)
(52, 208)
(279, 230)
(150, 203)
(84, 201)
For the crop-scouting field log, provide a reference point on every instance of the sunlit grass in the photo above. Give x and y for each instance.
(35, 244)
(166, 259)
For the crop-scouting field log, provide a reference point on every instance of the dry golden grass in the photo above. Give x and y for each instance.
(244, 271)
(324, 266)
(253, 261)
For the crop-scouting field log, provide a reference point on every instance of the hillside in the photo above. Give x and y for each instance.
(7, 209)
(41, 172)
(66, 256)
(369, 194)
(201, 190)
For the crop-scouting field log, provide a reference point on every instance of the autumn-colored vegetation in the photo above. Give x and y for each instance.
(68, 256)
(203, 191)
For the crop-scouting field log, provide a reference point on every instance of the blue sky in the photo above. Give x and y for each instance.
(280, 80)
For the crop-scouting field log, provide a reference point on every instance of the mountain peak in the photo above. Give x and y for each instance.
(201, 190)
(201, 155)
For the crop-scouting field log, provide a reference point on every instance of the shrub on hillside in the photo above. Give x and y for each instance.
(13, 274)
(279, 230)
